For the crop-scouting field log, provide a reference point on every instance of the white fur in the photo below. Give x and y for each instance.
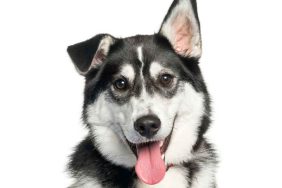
(128, 72)
(140, 54)
(186, 126)
(156, 68)
(106, 120)
(147, 104)
(140, 58)
(110, 122)
(175, 177)
(184, 7)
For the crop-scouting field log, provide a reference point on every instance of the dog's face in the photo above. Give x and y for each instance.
(145, 89)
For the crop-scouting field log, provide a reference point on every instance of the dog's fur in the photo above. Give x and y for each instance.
(105, 158)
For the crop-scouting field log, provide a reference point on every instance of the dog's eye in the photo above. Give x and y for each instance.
(166, 79)
(120, 84)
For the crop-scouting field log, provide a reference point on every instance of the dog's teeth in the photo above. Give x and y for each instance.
(161, 143)
(163, 156)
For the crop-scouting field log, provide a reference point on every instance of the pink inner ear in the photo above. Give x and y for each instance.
(98, 58)
(183, 34)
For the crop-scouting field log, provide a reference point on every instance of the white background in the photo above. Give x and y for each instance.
(41, 93)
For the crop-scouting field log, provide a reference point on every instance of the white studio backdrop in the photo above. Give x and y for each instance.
(41, 93)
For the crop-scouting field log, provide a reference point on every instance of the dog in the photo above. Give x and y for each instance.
(146, 107)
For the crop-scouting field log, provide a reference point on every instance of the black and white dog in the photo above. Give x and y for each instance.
(147, 108)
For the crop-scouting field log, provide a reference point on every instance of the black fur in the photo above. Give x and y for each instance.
(194, 166)
(83, 52)
(88, 160)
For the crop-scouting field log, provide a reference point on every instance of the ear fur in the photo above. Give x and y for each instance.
(181, 27)
(90, 53)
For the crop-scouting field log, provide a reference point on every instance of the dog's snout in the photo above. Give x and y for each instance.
(147, 126)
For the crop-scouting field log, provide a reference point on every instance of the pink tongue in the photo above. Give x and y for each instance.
(150, 167)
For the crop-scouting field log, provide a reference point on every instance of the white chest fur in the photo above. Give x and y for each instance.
(175, 177)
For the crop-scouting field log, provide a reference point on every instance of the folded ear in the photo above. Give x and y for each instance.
(181, 27)
(90, 53)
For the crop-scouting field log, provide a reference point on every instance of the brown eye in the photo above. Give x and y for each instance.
(166, 79)
(121, 84)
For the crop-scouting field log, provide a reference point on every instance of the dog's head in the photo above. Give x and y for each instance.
(144, 95)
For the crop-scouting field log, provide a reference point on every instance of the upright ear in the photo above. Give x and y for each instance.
(90, 53)
(181, 27)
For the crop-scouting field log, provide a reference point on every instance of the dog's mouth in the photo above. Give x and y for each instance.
(150, 166)
(163, 144)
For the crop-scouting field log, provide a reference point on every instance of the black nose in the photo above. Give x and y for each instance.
(147, 126)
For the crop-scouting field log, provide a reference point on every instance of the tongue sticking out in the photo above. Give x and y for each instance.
(150, 167)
